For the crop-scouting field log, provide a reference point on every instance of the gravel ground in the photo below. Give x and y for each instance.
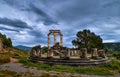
(20, 69)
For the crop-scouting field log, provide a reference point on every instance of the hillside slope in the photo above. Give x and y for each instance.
(115, 46)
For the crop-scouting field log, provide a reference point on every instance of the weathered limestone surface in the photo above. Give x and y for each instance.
(83, 53)
(59, 50)
(94, 53)
(35, 51)
(101, 53)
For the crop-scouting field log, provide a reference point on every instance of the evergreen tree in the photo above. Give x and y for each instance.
(87, 39)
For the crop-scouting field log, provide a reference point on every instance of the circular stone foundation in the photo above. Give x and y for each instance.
(71, 61)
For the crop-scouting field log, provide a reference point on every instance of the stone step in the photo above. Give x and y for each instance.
(76, 64)
(70, 62)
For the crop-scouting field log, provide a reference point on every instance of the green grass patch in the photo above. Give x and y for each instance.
(6, 73)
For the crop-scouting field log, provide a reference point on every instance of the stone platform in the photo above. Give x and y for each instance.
(70, 62)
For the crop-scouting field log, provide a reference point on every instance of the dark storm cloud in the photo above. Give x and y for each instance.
(36, 33)
(3, 28)
(43, 15)
(14, 23)
(70, 16)
(30, 6)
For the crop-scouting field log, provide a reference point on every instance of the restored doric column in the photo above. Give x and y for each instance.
(55, 41)
(61, 39)
(40, 53)
(48, 52)
(69, 53)
(83, 53)
(101, 53)
(94, 53)
(48, 41)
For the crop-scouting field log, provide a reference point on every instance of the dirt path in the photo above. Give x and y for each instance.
(20, 69)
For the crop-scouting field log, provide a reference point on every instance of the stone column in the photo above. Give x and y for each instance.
(39, 53)
(61, 39)
(48, 41)
(77, 52)
(74, 52)
(55, 41)
(83, 53)
(48, 52)
(94, 53)
(69, 53)
(101, 53)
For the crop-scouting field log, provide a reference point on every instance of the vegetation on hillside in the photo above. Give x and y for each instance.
(115, 46)
(8, 50)
(13, 53)
(6, 41)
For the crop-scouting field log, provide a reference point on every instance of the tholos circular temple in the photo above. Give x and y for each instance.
(60, 55)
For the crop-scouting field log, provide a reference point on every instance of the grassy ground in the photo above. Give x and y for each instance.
(107, 69)
(6, 73)
(5, 57)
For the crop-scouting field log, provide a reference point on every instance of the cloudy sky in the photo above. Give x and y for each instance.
(27, 22)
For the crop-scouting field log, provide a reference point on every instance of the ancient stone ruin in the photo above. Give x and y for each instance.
(36, 51)
(101, 53)
(83, 53)
(54, 33)
(67, 56)
(59, 50)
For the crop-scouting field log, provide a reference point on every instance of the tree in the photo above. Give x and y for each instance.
(44, 49)
(87, 39)
(6, 41)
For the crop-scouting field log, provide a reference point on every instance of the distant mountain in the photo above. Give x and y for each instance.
(115, 46)
(21, 47)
